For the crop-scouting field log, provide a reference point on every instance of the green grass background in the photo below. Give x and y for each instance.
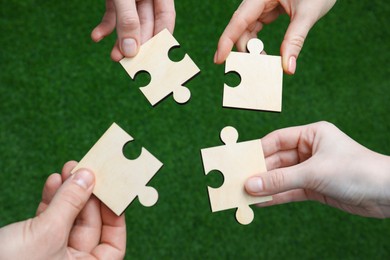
(59, 92)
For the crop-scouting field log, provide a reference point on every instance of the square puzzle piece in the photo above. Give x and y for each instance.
(261, 79)
(237, 162)
(166, 75)
(119, 180)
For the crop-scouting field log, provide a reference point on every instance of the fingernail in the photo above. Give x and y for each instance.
(254, 185)
(129, 47)
(215, 57)
(292, 64)
(84, 178)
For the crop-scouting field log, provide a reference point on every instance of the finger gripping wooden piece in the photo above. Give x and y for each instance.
(237, 162)
(119, 180)
(167, 76)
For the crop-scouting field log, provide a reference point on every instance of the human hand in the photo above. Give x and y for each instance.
(251, 15)
(136, 21)
(70, 223)
(319, 162)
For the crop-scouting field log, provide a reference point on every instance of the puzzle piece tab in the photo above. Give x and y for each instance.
(261, 79)
(167, 76)
(237, 162)
(119, 180)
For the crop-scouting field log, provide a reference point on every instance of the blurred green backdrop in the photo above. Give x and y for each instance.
(59, 92)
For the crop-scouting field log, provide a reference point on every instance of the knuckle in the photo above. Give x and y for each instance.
(169, 13)
(166, 16)
(326, 124)
(121, 254)
(281, 160)
(296, 41)
(275, 162)
(73, 199)
(173, 13)
(129, 21)
(239, 19)
(277, 180)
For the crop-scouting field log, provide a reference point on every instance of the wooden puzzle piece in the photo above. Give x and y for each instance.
(261, 79)
(119, 180)
(237, 162)
(166, 76)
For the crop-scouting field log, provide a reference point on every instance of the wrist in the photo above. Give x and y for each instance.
(383, 172)
(386, 172)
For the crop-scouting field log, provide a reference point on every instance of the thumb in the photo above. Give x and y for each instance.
(293, 41)
(276, 181)
(128, 27)
(71, 197)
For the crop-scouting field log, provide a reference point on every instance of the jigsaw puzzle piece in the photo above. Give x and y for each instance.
(237, 162)
(119, 180)
(167, 76)
(261, 79)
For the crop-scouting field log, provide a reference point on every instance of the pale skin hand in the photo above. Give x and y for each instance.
(251, 15)
(136, 21)
(70, 224)
(319, 162)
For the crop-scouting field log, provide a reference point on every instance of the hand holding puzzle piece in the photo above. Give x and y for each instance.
(237, 162)
(166, 76)
(118, 179)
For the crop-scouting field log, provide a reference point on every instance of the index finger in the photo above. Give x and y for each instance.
(164, 15)
(296, 137)
(113, 237)
(246, 14)
(52, 184)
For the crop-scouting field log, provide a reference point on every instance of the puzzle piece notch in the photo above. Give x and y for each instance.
(215, 179)
(261, 79)
(119, 180)
(237, 162)
(167, 76)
